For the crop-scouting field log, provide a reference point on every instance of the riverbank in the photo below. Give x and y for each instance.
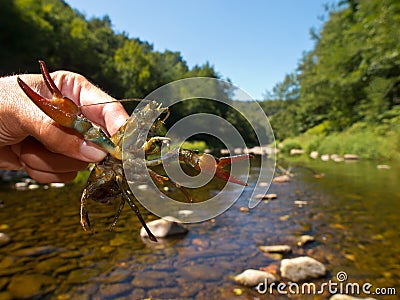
(376, 142)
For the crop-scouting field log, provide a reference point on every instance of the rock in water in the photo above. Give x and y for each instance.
(350, 157)
(283, 249)
(304, 239)
(31, 286)
(302, 268)
(281, 179)
(4, 239)
(162, 228)
(252, 277)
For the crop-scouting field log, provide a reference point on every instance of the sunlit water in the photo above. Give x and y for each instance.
(353, 212)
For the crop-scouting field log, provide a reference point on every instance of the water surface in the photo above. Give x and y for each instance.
(353, 212)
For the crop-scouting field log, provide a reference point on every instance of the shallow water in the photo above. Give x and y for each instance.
(353, 212)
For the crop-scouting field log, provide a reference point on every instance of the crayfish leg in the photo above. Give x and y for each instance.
(134, 208)
(85, 222)
(121, 206)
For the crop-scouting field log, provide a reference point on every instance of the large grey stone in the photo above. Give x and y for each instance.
(302, 268)
(252, 277)
(162, 228)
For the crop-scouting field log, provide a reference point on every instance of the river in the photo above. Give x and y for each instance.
(353, 213)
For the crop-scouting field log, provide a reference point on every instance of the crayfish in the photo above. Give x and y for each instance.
(107, 180)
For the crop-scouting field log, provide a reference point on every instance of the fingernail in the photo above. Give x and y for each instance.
(91, 153)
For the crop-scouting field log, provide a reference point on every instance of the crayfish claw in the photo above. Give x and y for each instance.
(49, 81)
(223, 161)
(209, 164)
(61, 109)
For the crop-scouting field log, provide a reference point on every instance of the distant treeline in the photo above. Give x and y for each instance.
(351, 75)
(51, 30)
(123, 66)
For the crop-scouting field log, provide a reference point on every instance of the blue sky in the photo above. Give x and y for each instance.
(253, 43)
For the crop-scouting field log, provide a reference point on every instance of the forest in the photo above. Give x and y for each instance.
(346, 88)
(345, 94)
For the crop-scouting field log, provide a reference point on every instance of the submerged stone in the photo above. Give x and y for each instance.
(81, 275)
(252, 277)
(302, 268)
(4, 239)
(305, 239)
(115, 290)
(281, 179)
(283, 249)
(49, 265)
(35, 251)
(29, 286)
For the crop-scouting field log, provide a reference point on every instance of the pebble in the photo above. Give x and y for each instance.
(383, 167)
(35, 251)
(33, 186)
(162, 228)
(302, 268)
(49, 265)
(270, 196)
(146, 282)
(71, 254)
(113, 291)
(252, 277)
(4, 239)
(281, 179)
(66, 268)
(325, 157)
(57, 184)
(300, 203)
(304, 239)
(266, 196)
(201, 273)
(296, 151)
(165, 293)
(80, 276)
(350, 157)
(314, 154)
(29, 286)
(244, 209)
(282, 249)
(21, 186)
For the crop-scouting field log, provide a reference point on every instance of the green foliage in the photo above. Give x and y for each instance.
(195, 145)
(52, 31)
(82, 177)
(350, 78)
(380, 142)
(124, 67)
(321, 129)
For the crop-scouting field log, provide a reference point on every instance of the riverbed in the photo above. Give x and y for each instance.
(352, 212)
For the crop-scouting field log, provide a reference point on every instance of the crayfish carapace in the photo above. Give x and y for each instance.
(107, 180)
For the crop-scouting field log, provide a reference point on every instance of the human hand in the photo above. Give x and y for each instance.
(32, 141)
